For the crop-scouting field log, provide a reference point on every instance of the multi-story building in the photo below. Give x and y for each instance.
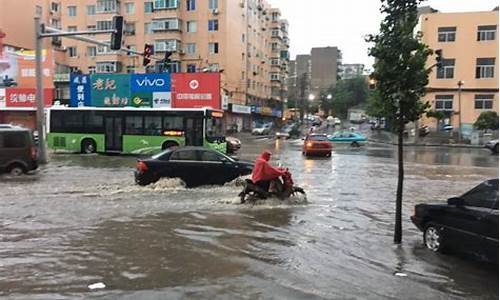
(348, 71)
(245, 40)
(467, 84)
(325, 65)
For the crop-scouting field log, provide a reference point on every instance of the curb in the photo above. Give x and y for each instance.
(429, 145)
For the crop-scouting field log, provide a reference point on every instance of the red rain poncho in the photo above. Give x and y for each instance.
(263, 170)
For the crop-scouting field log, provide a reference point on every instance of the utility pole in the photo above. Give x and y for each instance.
(40, 113)
(460, 83)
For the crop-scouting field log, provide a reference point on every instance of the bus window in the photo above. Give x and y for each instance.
(93, 122)
(56, 121)
(133, 125)
(214, 128)
(173, 123)
(73, 121)
(152, 125)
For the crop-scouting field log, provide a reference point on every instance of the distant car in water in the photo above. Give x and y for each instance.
(18, 152)
(263, 129)
(354, 138)
(317, 144)
(287, 131)
(233, 144)
(194, 165)
(465, 224)
(492, 145)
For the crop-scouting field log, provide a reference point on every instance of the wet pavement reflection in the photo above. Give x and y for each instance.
(82, 220)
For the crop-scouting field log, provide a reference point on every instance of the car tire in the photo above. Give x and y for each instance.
(434, 238)
(168, 145)
(328, 154)
(495, 149)
(88, 146)
(355, 144)
(16, 170)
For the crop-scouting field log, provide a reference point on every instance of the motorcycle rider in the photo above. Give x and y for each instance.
(263, 173)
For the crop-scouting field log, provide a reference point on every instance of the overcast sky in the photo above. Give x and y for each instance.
(344, 23)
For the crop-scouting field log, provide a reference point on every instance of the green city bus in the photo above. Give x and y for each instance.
(133, 130)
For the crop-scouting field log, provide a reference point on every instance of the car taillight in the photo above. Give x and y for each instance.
(33, 153)
(141, 166)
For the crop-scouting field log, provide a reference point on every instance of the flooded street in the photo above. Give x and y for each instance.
(82, 220)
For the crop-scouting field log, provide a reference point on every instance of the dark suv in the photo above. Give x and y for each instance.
(467, 224)
(18, 153)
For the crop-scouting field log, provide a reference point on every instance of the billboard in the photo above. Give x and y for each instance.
(2, 98)
(162, 99)
(151, 82)
(26, 97)
(110, 90)
(79, 88)
(195, 90)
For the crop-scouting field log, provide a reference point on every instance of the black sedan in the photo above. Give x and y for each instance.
(465, 224)
(194, 165)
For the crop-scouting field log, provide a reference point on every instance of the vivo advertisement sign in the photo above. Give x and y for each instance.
(150, 82)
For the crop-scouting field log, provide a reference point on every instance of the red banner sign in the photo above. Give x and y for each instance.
(196, 90)
(26, 97)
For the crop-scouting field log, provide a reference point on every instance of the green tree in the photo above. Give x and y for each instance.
(348, 93)
(375, 106)
(487, 120)
(401, 77)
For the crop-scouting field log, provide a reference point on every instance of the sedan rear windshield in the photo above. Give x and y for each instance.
(319, 138)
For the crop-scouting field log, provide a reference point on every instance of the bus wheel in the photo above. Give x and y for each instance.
(168, 145)
(88, 146)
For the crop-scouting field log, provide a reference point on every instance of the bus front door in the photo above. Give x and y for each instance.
(114, 132)
(194, 131)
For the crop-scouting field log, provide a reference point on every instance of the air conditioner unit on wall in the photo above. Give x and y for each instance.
(215, 11)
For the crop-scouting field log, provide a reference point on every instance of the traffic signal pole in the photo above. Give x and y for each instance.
(40, 108)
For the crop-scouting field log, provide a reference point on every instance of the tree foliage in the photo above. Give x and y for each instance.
(487, 120)
(436, 114)
(348, 93)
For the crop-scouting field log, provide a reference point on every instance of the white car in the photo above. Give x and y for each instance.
(262, 130)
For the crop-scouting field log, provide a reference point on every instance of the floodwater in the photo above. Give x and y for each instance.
(81, 220)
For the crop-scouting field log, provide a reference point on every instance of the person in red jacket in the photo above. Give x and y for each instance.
(263, 172)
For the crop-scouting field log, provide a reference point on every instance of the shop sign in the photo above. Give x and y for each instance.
(79, 89)
(196, 90)
(110, 90)
(241, 109)
(26, 97)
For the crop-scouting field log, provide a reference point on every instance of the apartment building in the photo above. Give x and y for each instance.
(467, 84)
(348, 71)
(325, 65)
(245, 40)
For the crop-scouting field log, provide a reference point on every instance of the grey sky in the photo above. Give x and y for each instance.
(344, 23)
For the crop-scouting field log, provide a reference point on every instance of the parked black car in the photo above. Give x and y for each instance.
(465, 224)
(194, 165)
(18, 153)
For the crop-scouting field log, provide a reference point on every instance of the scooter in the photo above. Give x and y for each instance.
(281, 188)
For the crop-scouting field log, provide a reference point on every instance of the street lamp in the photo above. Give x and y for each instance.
(460, 83)
(311, 97)
(329, 97)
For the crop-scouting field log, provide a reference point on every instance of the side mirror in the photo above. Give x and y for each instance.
(457, 201)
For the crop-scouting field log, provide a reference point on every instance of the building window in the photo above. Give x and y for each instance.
(104, 25)
(107, 67)
(486, 32)
(444, 102)
(92, 69)
(483, 101)
(275, 16)
(54, 7)
(129, 8)
(274, 46)
(191, 68)
(148, 28)
(132, 48)
(190, 5)
(213, 4)
(166, 45)
(242, 37)
(72, 51)
(165, 4)
(90, 10)
(91, 51)
(190, 48)
(213, 48)
(91, 27)
(72, 28)
(485, 67)
(107, 6)
(38, 10)
(72, 11)
(166, 24)
(130, 69)
(213, 67)
(213, 25)
(191, 26)
(446, 34)
(447, 71)
(148, 7)
(129, 29)
(275, 62)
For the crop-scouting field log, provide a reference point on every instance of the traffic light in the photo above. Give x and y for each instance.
(167, 61)
(116, 37)
(148, 51)
(439, 58)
